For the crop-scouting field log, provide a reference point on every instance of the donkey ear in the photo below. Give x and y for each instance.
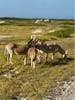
(34, 37)
(31, 36)
(66, 52)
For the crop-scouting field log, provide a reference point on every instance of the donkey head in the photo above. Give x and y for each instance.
(33, 37)
(65, 54)
(32, 42)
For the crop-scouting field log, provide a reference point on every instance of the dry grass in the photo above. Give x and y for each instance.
(28, 82)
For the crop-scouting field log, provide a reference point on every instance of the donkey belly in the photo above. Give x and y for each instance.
(20, 51)
(48, 50)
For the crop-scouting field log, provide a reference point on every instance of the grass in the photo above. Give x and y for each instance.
(28, 82)
(31, 82)
(64, 33)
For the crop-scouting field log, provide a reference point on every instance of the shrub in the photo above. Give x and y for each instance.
(62, 33)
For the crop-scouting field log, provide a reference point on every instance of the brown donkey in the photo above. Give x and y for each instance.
(12, 48)
(32, 53)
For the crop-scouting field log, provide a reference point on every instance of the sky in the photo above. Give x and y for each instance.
(37, 8)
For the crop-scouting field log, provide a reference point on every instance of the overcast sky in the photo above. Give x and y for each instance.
(37, 8)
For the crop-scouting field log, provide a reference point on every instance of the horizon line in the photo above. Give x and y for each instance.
(36, 18)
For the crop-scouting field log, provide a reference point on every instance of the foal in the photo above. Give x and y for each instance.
(32, 52)
(12, 48)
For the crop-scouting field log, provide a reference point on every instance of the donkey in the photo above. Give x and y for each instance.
(52, 48)
(12, 48)
(32, 53)
(32, 43)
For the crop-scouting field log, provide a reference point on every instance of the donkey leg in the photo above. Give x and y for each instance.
(33, 64)
(6, 54)
(38, 58)
(25, 61)
(53, 56)
(46, 57)
(7, 58)
(11, 54)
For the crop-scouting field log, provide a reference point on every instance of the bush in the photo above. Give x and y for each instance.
(62, 33)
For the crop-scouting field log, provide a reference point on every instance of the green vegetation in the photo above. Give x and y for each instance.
(28, 82)
(64, 33)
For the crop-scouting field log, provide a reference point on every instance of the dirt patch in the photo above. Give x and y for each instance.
(6, 36)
